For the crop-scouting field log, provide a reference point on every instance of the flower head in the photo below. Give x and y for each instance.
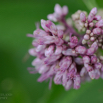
(63, 55)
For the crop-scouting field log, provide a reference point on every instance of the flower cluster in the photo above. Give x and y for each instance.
(93, 24)
(77, 22)
(65, 56)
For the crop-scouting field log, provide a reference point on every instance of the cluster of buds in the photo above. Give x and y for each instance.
(93, 24)
(67, 62)
(77, 22)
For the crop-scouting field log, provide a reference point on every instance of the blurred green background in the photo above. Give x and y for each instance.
(17, 18)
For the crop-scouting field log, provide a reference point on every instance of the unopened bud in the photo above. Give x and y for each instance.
(82, 17)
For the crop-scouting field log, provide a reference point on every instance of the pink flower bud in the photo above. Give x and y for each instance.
(60, 27)
(91, 24)
(97, 65)
(92, 74)
(88, 31)
(93, 11)
(52, 17)
(83, 71)
(57, 16)
(58, 78)
(35, 43)
(59, 41)
(80, 49)
(43, 69)
(93, 59)
(64, 78)
(88, 67)
(74, 40)
(97, 17)
(66, 62)
(36, 62)
(49, 51)
(91, 34)
(32, 52)
(39, 33)
(86, 37)
(90, 51)
(60, 33)
(65, 10)
(58, 50)
(78, 60)
(68, 84)
(42, 77)
(58, 9)
(101, 58)
(77, 82)
(51, 59)
(82, 17)
(73, 68)
(49, 26)
(72, 45)
(70, 52)
(72, 73)
(86, 59)
(97, 31)
(95, 45)
(40, 48)
(90, 18)
(46, 40)
(92, 39)
(53, 69)
(43, 23)
(99, 23)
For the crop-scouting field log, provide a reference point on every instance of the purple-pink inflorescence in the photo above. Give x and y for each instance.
(62, 54)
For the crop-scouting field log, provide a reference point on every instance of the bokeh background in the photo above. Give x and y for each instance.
(17, 18)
